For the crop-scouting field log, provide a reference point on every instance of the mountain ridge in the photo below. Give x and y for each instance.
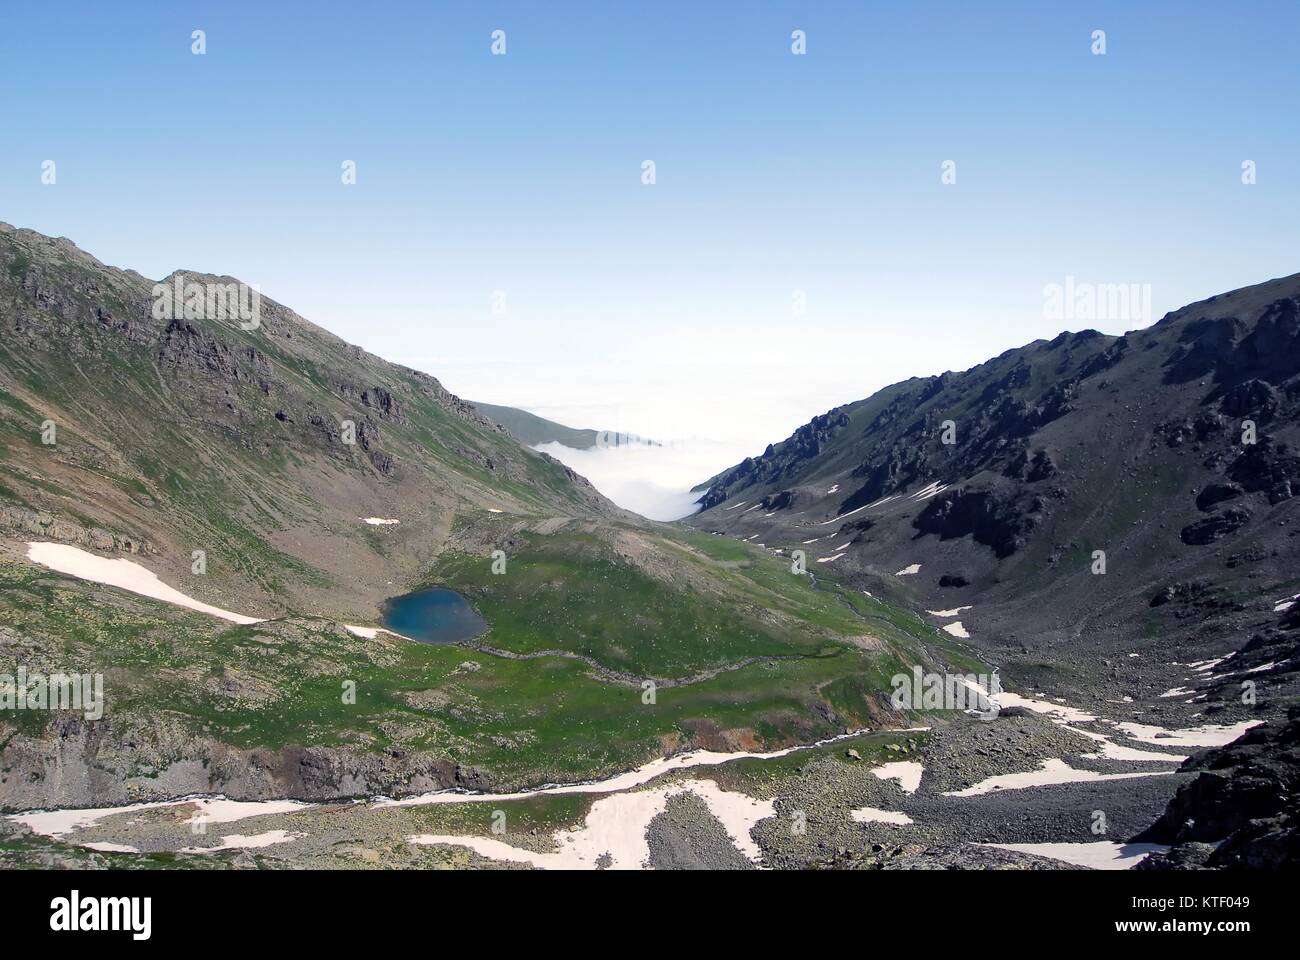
(1126, 444)
(277, 397)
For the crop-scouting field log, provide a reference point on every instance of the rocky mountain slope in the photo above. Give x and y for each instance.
(266, 448)
(1113, 521)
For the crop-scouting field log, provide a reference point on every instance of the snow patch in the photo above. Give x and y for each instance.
(57, 824)
(842, 516)
(1113, 751)
(948, 613)
(121, 573)
(1210, 735)
(925, 493)
(1099, 855)
(615, 829)
(875, 815)
(907, 772)
(237, 841)
(1052, 772)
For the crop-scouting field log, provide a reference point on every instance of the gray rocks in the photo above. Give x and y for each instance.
(1216, 527)
(45, 526)
(1217, 493)
(686, 836)
(1246, 795)
(997, 519)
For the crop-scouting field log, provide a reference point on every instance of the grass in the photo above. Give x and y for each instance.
(679, 612)
(281, 683)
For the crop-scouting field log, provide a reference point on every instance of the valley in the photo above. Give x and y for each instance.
(364, 625)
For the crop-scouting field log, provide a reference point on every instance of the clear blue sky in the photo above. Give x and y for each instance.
(775, 173)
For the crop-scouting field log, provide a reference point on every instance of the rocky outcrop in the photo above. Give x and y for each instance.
(1252, 398)
(1244, 799)
(997, 519)
(1032, 469)
(104, 763)
(1216, 527)
(780, 501)
(45, 526)
(779, 460)
(1267, 467)
(1216, 493)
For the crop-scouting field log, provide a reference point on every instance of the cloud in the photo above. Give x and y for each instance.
(652, 481)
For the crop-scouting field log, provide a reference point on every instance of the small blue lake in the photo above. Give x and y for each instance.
(434, 615)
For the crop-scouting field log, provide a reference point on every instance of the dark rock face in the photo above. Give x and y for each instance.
(856, 527)
(1223, 349)
(781, 501)
(1214, 528)
(191, 348)
(1032, 469)
(1180, 591)
(897, 467)
(1185, 856)
(1217, 493)
(780, 461)
(994, 518)
(1251, 398)
(1196, 598)
(1245, 796)
(1267, 467)
(1201, 348)
(1205, 426)
(1272, 843)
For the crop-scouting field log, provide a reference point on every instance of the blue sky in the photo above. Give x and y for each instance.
(666, 309)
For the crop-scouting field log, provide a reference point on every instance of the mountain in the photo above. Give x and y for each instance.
(618, 653)
(1173, 450)
(141, 422)
(177, 434)
(532, 429)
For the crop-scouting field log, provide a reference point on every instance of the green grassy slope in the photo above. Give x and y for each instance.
(278, 685)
